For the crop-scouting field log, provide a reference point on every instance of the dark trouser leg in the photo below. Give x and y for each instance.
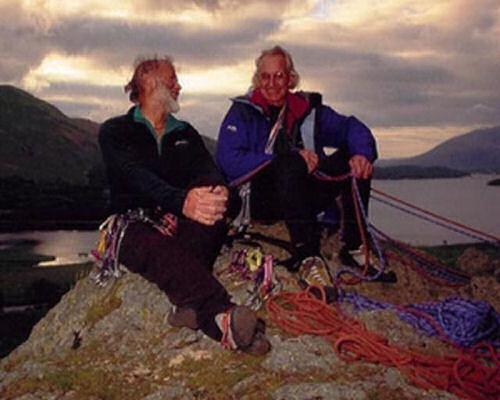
(180, 266)
(335, 165)
(351, 233)
(282, 191)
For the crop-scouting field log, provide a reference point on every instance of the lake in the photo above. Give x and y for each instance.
(466, 200)
(67, 246)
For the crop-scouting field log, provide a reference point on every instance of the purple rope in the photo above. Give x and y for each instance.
(465, 322)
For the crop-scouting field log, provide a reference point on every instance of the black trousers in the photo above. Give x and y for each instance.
(285, 190)
(181, 266)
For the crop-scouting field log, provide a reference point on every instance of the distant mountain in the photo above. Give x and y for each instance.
(41, 144)
(476, 151)
(414, 172)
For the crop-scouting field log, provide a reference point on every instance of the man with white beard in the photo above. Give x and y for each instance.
(166, 188)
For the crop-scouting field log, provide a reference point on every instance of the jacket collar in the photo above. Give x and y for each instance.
(297, 104)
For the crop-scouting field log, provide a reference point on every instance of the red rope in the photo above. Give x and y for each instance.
(435, 215)
(426, 275)
(472, 374)
(366, 248)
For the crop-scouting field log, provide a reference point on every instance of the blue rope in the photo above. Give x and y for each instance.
(433, 269)
(465, 322)
(439, 223)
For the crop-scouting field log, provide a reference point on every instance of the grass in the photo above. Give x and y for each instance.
(104, 306)
(449, 254)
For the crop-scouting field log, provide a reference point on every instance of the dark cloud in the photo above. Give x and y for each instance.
(386, 90)
(118, 42)
(450, 79)
(22, 45)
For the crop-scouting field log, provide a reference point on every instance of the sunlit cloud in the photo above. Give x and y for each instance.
(415, 72)
(71, 69)
(217, 80)
(400, 142)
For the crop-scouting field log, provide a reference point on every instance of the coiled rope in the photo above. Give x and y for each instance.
(470, 374)
(458, 321)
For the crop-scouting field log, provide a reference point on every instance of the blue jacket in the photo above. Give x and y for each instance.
(245, 129)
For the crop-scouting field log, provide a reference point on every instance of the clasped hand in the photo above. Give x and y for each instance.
(360, 166)
(206, 204)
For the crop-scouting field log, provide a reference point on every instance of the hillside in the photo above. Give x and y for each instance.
(41, 144)
(476, 151)
(114, 342)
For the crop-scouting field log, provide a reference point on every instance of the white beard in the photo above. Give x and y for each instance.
(163, 97)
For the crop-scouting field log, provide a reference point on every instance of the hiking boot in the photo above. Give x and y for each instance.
(183, 317)
(356, 259)
(242, 330)
(314, 271)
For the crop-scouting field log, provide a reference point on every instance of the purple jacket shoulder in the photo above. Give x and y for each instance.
(245, 129)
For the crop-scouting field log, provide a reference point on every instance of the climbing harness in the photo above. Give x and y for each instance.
(112, 232)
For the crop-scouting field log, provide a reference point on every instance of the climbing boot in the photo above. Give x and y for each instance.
(314, 271)
(183, 317)
(242, 330)
(356, 259)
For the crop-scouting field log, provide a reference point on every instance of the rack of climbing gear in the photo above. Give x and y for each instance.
(112, 232)
(252, 264)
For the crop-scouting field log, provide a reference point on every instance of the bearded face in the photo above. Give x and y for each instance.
(164, 98)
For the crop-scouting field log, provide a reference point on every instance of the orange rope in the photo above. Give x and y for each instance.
(470, 374)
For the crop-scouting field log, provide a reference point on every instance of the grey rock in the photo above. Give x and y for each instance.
(125, 325)
(37, 396)
(322, 391)
(176, 392)
(301, 354)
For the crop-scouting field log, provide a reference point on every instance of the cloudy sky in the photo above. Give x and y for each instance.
(416, 72)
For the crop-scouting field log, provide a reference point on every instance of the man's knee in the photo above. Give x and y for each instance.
(290, 165)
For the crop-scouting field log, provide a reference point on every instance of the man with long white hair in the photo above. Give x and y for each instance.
(290, 146)
(168, 191)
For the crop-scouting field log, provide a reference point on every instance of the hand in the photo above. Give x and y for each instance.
(311, 159)
(221, 190)
(206, 204)
(361, 167)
